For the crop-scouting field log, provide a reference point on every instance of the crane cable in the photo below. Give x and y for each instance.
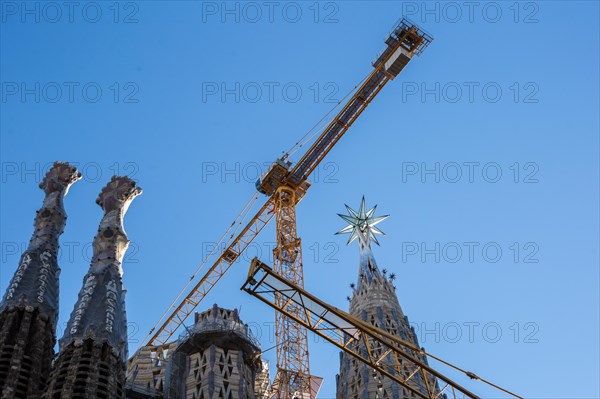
(305, 139)
(396, 342)
(237, 221)
(271, 348)
(469, 374)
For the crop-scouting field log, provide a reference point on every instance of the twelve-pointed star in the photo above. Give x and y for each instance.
(362, 223)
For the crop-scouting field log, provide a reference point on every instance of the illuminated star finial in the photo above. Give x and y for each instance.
(362, 224)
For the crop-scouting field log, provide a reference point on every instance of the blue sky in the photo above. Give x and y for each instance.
(484, 151)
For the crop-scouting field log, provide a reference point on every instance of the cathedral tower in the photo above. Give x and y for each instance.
(93, 349)
(29, 309)
(218, 358)
(374, 300)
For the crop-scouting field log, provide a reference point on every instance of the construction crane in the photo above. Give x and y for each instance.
(387, 354)
(285, 185)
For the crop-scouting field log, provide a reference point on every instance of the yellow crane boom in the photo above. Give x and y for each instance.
(286, 186)
(405, 40)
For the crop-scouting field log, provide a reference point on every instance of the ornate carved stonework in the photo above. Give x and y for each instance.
(219, 358)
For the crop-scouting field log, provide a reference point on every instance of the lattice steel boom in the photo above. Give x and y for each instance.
(344, 331)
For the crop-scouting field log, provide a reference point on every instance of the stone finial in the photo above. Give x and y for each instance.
(51, 218)
(118, 194)
(59, 178)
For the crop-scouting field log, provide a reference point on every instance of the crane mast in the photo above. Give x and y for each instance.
(285, 186)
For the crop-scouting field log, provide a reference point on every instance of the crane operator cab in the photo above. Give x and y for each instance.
(273, 178)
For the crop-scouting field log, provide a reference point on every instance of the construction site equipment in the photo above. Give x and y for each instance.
(285, 185)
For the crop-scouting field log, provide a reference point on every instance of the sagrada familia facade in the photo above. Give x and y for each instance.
(217, 358)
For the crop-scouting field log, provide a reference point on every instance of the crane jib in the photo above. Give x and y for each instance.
(405, 40)
(338, 127)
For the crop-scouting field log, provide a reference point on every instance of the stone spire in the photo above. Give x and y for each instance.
(373, 300)
(93, 349)
(29, 308)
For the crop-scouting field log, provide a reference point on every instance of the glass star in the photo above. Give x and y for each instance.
(362, 224)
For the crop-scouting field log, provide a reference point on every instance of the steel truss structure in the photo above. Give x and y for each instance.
(397, 359)
(285, 186)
